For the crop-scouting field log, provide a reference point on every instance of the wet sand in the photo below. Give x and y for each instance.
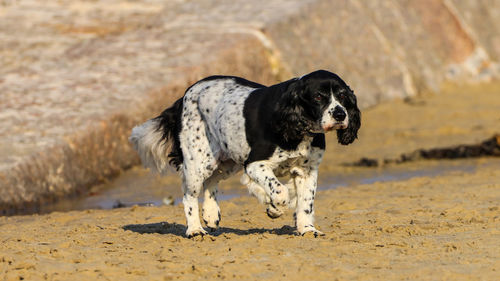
(444, 227)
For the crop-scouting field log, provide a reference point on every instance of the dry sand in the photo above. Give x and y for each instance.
(432, 228)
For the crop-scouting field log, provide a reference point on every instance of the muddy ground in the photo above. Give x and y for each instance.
(444, 227)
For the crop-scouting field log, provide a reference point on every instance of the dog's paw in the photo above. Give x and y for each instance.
(274, 212)
(211, 217)
(212, 226)
(311, 232)
(280, 197)
(196, 233)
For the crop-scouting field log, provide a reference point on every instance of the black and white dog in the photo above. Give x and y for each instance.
(224, 124)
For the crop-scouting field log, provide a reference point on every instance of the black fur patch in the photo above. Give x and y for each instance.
(319, 141)
(170, 124)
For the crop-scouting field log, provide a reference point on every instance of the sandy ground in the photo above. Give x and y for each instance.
(424, 228)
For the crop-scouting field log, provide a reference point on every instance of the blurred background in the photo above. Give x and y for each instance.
(76, 76)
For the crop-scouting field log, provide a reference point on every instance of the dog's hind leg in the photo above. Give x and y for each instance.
(210, 210)
(199, 163)
(192, 187)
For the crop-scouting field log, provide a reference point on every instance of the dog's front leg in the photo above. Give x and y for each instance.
(261, 172)
(306, 183)
(261, 194)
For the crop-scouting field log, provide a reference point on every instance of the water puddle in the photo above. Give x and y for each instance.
(139, 187)
(399, 172)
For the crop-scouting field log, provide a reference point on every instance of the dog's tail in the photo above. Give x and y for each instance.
(158, 139)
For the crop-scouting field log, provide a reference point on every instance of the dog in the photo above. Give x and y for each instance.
(224, 124)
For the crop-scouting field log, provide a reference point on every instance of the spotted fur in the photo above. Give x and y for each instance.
(224, 124)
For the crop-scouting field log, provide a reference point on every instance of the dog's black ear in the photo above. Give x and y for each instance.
(289, 120)
(348, 135)
(293, 92)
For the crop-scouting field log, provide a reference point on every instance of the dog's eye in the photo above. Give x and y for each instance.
(341, 97)
(318, 97)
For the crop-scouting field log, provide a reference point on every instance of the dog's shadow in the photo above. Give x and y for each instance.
(180, 230)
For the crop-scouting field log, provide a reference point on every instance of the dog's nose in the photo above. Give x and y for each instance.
(339, 114)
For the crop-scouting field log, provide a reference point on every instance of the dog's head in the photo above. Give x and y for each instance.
(320, 102)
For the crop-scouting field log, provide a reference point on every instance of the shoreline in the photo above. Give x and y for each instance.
(122, 194)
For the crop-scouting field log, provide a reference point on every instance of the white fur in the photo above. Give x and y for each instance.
(152, 148)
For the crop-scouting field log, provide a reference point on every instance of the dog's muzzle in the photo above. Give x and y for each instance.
(339, 114)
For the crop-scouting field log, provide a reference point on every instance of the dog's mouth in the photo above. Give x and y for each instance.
(328, 128)
(335, 126)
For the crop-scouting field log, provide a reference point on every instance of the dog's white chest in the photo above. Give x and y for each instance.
(302, 150)
(285, 160)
